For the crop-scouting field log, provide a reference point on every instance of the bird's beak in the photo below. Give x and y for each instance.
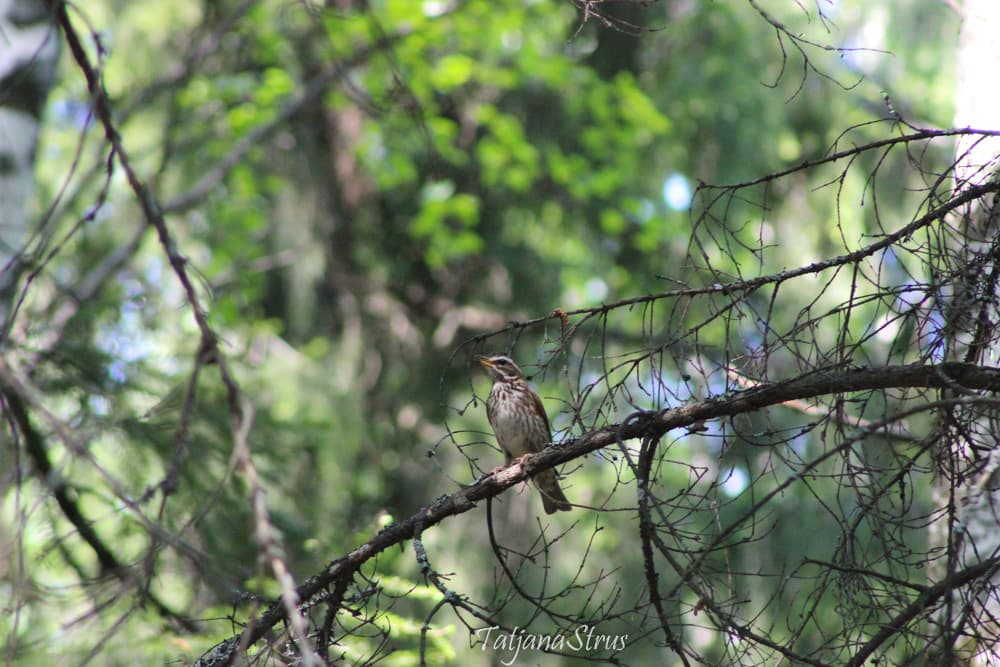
(484, 361)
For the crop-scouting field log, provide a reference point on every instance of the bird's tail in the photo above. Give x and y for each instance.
(553, 499)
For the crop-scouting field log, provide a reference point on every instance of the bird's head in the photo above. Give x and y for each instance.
(501, 368)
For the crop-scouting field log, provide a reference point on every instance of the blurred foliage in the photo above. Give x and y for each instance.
(454, 166)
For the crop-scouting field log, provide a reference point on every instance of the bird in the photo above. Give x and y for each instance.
(518, 419)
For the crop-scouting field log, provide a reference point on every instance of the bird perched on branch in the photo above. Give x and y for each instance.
(520, 424)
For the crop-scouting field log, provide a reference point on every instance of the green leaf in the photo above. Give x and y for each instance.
(452, 71)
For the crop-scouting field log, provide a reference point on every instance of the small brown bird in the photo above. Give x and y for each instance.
(520, 424)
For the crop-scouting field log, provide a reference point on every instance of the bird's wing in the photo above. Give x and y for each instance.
(545, 417)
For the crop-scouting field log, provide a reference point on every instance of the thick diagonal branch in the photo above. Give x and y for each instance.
(653, 424)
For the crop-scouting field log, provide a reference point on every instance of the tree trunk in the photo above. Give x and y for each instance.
(970, 485)
(29, 48)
